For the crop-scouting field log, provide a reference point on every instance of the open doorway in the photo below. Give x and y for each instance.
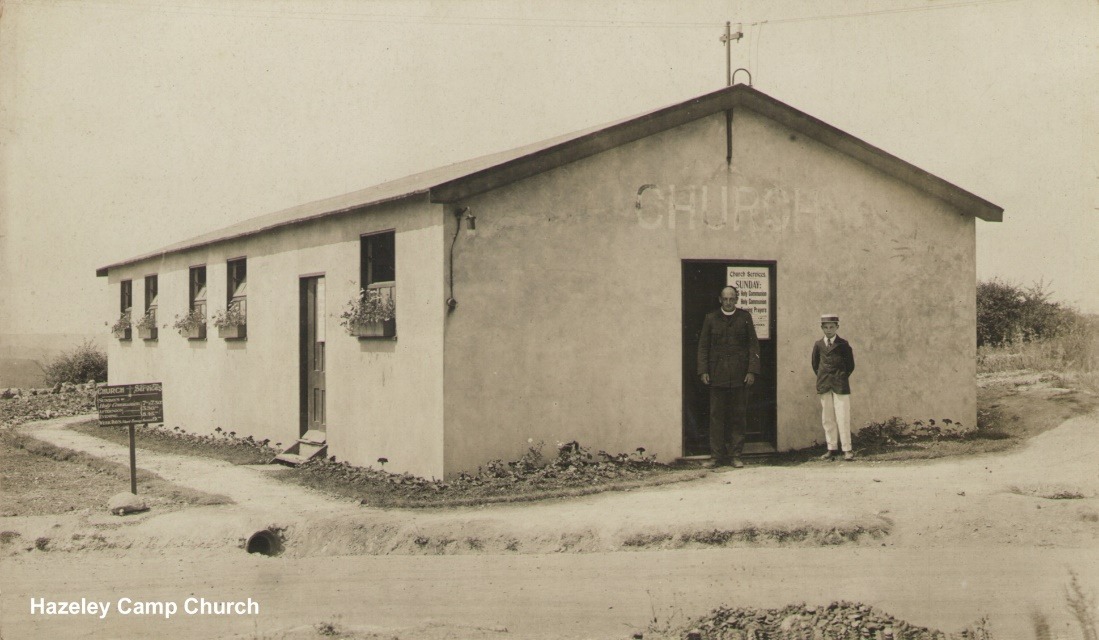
(702, 284)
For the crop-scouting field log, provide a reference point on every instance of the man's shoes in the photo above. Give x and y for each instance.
(737, 464)
(848, 455)
(829, 455)
(714, 464)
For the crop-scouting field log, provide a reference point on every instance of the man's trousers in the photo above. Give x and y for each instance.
(728, 422)
(835, 413)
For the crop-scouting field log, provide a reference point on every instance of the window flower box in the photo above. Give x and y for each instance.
(193, 325)
(233, 332)
(146, 326)
(232, 323)
(372, 312)
(194, 333)
(378, 329)
(122, 328)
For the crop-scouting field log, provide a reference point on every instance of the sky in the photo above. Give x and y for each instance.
(127, 126)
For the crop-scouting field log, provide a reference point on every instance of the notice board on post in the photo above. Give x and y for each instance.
(129, 404)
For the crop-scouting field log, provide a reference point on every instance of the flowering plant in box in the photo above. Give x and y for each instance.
(191, 321)
(147, 321)
(233, 316)
(122, 325)
(369, 306)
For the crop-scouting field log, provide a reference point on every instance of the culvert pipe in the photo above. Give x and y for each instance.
(264, 542)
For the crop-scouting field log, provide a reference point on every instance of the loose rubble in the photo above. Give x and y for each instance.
(840, 620)
(63, 399)
(573, 468)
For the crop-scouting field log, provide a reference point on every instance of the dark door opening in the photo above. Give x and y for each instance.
(702, 284)
(311, 349)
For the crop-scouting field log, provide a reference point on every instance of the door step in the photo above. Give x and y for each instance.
(313, 444)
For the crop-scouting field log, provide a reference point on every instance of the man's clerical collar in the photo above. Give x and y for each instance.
(728, 313)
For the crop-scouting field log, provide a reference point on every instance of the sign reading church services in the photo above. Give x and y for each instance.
(754, 284)
(128, 404)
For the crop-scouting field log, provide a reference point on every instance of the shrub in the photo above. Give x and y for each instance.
(77, 366)
(1008, 313)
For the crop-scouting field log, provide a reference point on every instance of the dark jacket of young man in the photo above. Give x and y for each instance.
(833, 366)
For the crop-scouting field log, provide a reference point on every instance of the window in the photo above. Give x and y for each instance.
(194, 325)
(377, 278)
(198, 290)
(150, 308)
(377, 263)
(237, 289)
(126, 304)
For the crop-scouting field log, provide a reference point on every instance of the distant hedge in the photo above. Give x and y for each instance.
(1008, 313)
(77, 366)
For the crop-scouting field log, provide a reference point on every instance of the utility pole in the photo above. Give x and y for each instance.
(727, 39)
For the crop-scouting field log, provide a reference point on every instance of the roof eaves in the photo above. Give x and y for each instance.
(207, 240)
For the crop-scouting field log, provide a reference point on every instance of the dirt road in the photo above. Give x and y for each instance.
(599, 595)
(938, 543)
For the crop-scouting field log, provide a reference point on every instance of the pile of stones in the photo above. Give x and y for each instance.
(837, 621)
(63, 399)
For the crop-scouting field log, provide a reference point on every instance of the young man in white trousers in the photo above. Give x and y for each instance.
(833, 363)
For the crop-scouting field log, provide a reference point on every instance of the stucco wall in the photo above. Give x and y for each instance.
(384, 397)
(569, 317)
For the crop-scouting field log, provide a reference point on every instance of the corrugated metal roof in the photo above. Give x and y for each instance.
(449, 183)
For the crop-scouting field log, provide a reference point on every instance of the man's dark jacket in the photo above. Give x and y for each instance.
(728, 348)
(833, 365)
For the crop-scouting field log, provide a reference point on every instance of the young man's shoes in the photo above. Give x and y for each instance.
(714, 464)
(848, 455)
(829, 455)
(737, 463)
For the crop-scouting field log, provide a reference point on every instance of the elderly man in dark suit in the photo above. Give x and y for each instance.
(728, 362)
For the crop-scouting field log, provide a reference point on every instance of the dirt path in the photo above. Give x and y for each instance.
(990, 499)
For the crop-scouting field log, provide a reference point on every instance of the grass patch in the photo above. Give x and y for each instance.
(573, 472)
(224, 445)
(40, 479)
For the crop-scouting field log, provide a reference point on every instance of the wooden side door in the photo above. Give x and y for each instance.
(312, 355)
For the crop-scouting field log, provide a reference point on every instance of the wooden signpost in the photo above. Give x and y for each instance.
(130, 405)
